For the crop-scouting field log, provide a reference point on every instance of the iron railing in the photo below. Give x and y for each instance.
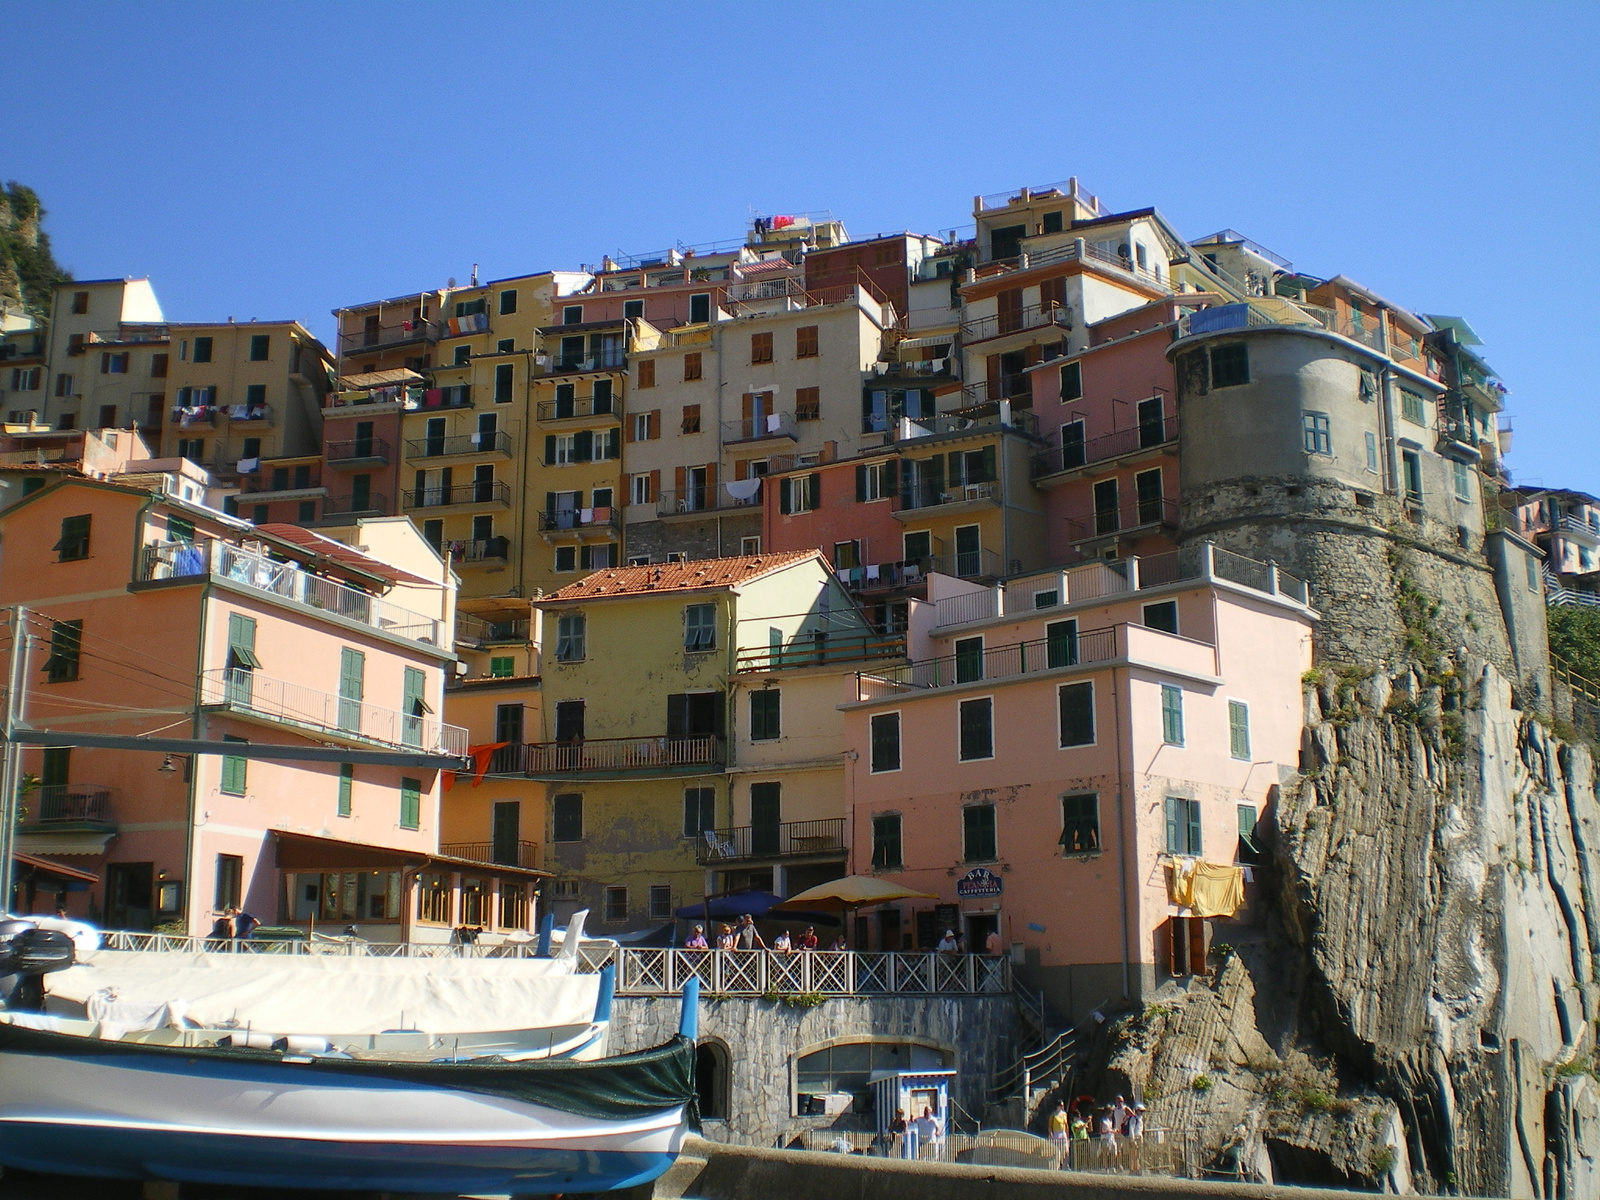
(625, 754)
(709, 498)
(250, 692)
(819, 651)
(69, 804)
(930, 495)
(477, 550)
(577, 406)
(994, 662)
(660, 972)
(495, 441)
(1127, 514)
(497, 854)
(376, 337)
(492, 491)
(473, 628)
(769, 425)
(1033, 316)
(785, 839)
(354, 503)
(1067, 455)
(373, 449)
(580, 518)
(171, 560)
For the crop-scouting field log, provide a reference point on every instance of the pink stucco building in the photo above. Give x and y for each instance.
(1061, 742)
(152, 616)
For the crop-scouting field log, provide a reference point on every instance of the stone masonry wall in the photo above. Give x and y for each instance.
(764, 1037)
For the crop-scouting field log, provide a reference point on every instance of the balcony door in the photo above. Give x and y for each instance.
(1073, 451)
(1147, 484)
(765, 818)
(361, 447)
(507, 831)
(1105, 506)
(483, 483)
(695, 479)
(569, 721)
(1152, 428)
(128, 895)
(969, 551)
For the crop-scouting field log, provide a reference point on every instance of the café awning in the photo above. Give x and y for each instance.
(306, 852)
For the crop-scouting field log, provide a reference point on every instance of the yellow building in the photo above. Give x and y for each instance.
(641, 704)
(241, 393)
(108, 355)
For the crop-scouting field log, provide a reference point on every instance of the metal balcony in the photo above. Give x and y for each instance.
(788, 839)
(69, 805)
(496, 492)
(622, 755)
(252, 694)
(495, 854)
(495, 441)
(357, 452)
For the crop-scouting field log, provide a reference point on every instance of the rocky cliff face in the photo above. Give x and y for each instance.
(1419, 1011)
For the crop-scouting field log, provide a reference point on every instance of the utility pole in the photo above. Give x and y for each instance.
(11, 764)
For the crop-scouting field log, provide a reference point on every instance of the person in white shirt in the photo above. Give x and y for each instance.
(947, 944)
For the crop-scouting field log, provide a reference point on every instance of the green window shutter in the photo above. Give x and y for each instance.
(987, 466)
(549, 449)
(234, 770)
(786, 496)
(410, 804)
(583, 445)
(347, 780)
(814, 491)
(969, 660)
(242, 642)
(352, 677)
(889, 469)
(413, 707)
(978, 832)
(1192, 818)
(1171, 715)
(1076, 704)
(1239, 729)
(861, 484)
(613, 443)
(1061, 644)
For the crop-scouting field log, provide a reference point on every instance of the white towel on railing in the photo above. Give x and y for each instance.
(773, 420)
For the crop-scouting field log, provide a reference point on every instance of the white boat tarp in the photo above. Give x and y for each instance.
(330, 996)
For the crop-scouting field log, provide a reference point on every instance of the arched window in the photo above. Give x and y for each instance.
(845, 1068)
(711, 1076)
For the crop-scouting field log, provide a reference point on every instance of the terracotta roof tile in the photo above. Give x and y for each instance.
(706, 574)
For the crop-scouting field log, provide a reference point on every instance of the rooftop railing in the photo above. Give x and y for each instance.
(1100, 579)
(769, 425)
(352, 504)
(577, 406)
(817, 652)
(473, 628)
(1127, 515)
(580, 519)
(1030, 317)
(258, 695)
(220, 560)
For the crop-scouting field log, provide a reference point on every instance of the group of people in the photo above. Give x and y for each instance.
(233, 924)
(747, 937)
(1109, 1124)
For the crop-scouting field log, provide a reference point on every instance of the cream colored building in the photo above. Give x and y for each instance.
(108, 356)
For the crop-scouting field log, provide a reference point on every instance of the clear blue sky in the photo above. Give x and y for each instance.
(279, 160)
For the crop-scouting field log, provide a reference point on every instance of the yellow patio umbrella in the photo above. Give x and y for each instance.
(853, 891)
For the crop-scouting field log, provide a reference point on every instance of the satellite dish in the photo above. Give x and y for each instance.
(451, 282)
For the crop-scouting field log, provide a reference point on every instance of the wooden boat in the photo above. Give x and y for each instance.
(74, 1104)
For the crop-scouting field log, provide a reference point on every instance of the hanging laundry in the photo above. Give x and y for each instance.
(1180, 881)
(433, 397)
(872, 572)
(247, 466)
(586, 516)
(1216, 890)
(774, 420)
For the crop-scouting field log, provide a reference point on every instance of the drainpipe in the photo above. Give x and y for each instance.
(1122, 838)
(1391, 451)
(190, 852)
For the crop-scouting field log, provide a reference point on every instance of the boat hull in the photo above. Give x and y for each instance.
(208, 1116)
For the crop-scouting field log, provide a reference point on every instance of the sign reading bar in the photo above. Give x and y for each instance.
(980, 881)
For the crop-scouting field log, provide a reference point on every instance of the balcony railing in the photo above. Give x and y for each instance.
(995, 662)
(817, 652)
(770, 425)
(1105, 578)
(495, 491)
(701, 499)
(1032, 316)
(358, 450)
(400, 333)
(625, 754)
(611, 358)
(495, 441)
(219, 560)
(925, 495)
(355, 504)
(477, 550)
(1067, 456)
(1285, 315)
(257, 695)
(579, 519)
(1568, 523)
(1126, 516)
(473, 628)
(59, 804)
(495, 854)
(577, 406)
(922, 368)
(787, 839)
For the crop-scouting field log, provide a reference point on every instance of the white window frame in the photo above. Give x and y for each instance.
(566, 449)
(993, 748)
(900, 742)
(696, 644)
(639, 489)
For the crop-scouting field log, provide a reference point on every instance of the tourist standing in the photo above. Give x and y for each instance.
(808, 939)
(780, 944)
(725, 937)
(748, 936)
(696, 940)
(1060, 1129)
(947, 944)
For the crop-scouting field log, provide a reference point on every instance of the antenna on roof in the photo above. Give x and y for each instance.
(474, 275)
(451, 282)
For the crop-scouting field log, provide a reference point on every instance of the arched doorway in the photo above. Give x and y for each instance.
(711, 1078)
